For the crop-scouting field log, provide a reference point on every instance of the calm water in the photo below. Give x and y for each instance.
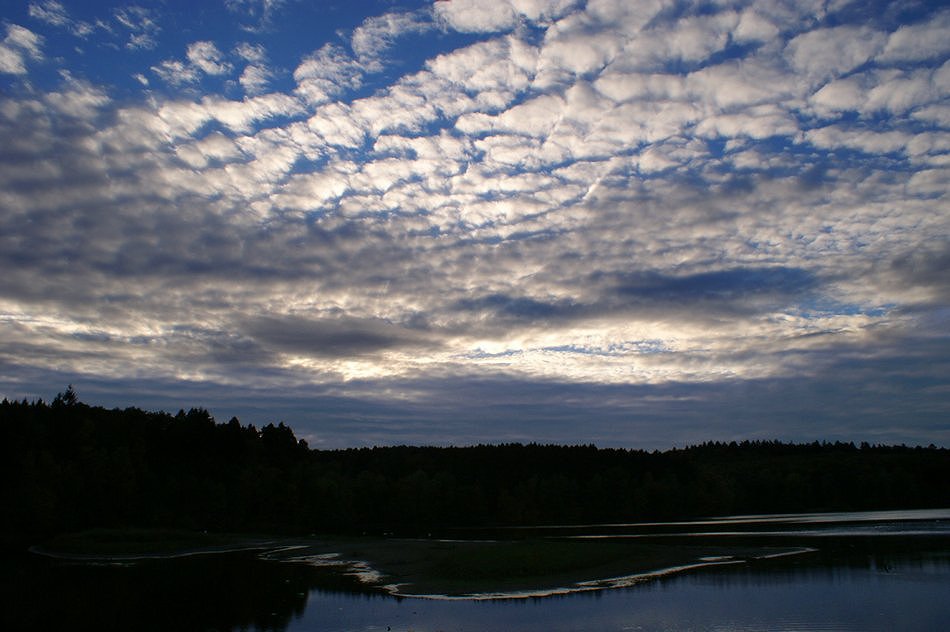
(888, 572)
(912, 596)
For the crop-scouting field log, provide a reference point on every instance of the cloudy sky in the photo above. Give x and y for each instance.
(637, 223)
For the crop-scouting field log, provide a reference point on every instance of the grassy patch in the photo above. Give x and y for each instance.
(421, 566)
(469, 567)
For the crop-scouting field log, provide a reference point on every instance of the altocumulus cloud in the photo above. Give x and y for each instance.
(634, 223)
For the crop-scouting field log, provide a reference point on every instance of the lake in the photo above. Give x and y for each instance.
(852, 571)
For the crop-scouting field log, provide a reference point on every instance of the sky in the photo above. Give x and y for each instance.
(633, 223)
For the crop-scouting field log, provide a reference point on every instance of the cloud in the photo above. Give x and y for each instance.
(207, 57)
(255, 79)
(471, 16)
(55, 14)
(142, 25)
(17, 46)
(79, 99)
(326, 73)
(176, 73)
(50, 11)
(377, 34)
(517, 308)
(254, 53)
(331, 337)
(919, 42)
(478, 17)
(726, 286)
(620, 212)
(204, 58)
(256, 76)
(828, 53)
(259, 12)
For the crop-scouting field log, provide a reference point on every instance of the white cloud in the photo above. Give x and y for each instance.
(376, 34)
(400, 111)
(936, 114)
(919, 42)
(869, 141)
(207, 57)
(327, 73)
(622, 87)
(536, 117)
(213, 147)
(840, 95)
(828, 53)
(336, 124)
(182, 119)
(760, 122)
(578, 53)
(753, 27)
(894, 91)
(142, 24)
(740, 84)
(644, 47)
(24, 39)
(19, 44)
(255, 79)
(474, 16)
(241, 116)
(260, 12)
(899, 92)
(55, 14)
(253, 53)
(79, 99)
(311, 191)
(502, 64)
(256, 76)
(176, 73)
(50, 11)
(630, 15)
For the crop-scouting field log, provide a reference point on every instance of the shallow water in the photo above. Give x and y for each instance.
(910, 595)
(881, 571)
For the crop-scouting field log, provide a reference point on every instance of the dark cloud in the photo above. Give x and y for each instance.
(517, 308)
(928, 268)
(735, 291)
(331, 337)
(725, 285)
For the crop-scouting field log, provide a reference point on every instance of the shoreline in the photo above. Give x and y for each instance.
(417, 568)
(138, 557)
(422, 583)
(537, 566)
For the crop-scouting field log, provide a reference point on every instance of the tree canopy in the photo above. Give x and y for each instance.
(69, 466)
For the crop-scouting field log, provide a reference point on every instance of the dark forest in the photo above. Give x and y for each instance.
(70, 466)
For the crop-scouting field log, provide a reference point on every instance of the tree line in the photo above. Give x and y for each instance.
(70, 466)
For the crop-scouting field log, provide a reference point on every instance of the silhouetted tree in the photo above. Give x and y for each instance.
(69, 466)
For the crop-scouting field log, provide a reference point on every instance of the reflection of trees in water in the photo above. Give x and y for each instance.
(209, 592)
(839, 560)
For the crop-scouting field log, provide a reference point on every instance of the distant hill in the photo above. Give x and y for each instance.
(68, 466)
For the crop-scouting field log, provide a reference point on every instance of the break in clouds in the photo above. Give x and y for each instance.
(635, 223)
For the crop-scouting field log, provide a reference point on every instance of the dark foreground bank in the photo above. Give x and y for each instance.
(843, 572)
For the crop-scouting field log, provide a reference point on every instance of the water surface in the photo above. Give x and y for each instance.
(864, 571)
